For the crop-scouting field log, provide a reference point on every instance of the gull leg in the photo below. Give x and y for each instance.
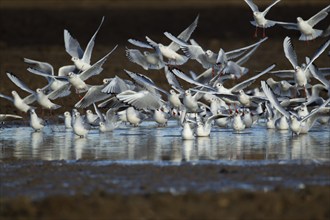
(256, 32)
(263, 33)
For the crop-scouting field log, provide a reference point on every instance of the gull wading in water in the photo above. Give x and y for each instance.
(298, 125)
(35, 122)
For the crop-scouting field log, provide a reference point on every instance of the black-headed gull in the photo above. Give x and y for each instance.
(46, 68)
(147, 60)
(35, 122)
(161, 116)
(39, 95)
(77, 80)
(110, 122)
(67, 120)
(19, 103)
(94, 94)
(259, 17)
(135, 117)
(306, 27)
(80, 126)
(80, 58)
(237, 122)
(169, 51)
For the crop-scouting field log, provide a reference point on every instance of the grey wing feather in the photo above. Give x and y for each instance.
(272, 98)
(318, 52)
(249, 81)
(72, 46)
(253, 6)
(19, 83)
(185, 35)
(96, 68)
(89, 48)
(183, 76)
(289, 51)
(139, 43)
(42, 66)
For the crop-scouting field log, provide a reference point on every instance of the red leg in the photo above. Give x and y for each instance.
(256, 32)
(263, 33)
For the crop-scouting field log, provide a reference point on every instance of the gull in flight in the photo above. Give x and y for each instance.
(80, 58)
(19, 103)
(259, 17)
(170, 51)
(306, 27)
(78, 80)
(39, 95)
(46, 68)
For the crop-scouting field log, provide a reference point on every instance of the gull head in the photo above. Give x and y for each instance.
(74, 59)
(299, 19)
(208, 53)
(106, 81)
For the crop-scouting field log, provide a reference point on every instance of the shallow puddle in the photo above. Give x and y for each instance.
(153, 144)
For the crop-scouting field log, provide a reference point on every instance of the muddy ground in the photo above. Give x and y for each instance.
(102, 190)
(38, 34)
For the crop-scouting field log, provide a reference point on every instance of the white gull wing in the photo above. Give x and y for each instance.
(318, 16)
(93, 95)
(269, 7)
(117, 85)
(319, 76)
(145, 82)
(314, 111)
(140, 43)
(6, 97)
(72, 46)
(42, 66)
(238, 52)
(273, 100)
(289, 52)
(64, 70)
(9, 116)
(195, 52)
(89, 48)
(135, 56)
(253, 6)
(184, 35)
(96, 68)
(19, 83)
(59, 92)
(171, 79)
(183, 76)
(249, 81)
(318, 52)
(141, 100)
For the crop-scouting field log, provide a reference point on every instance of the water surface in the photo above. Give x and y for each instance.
(150, 143)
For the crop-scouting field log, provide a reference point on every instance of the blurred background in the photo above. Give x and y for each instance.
(34, 29)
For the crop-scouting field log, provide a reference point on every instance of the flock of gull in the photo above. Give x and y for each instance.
(296, 102)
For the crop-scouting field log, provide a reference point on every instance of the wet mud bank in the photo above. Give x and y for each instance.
(99, 189)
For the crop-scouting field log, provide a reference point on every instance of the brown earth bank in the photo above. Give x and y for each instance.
(309, 203)
(103, 190)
